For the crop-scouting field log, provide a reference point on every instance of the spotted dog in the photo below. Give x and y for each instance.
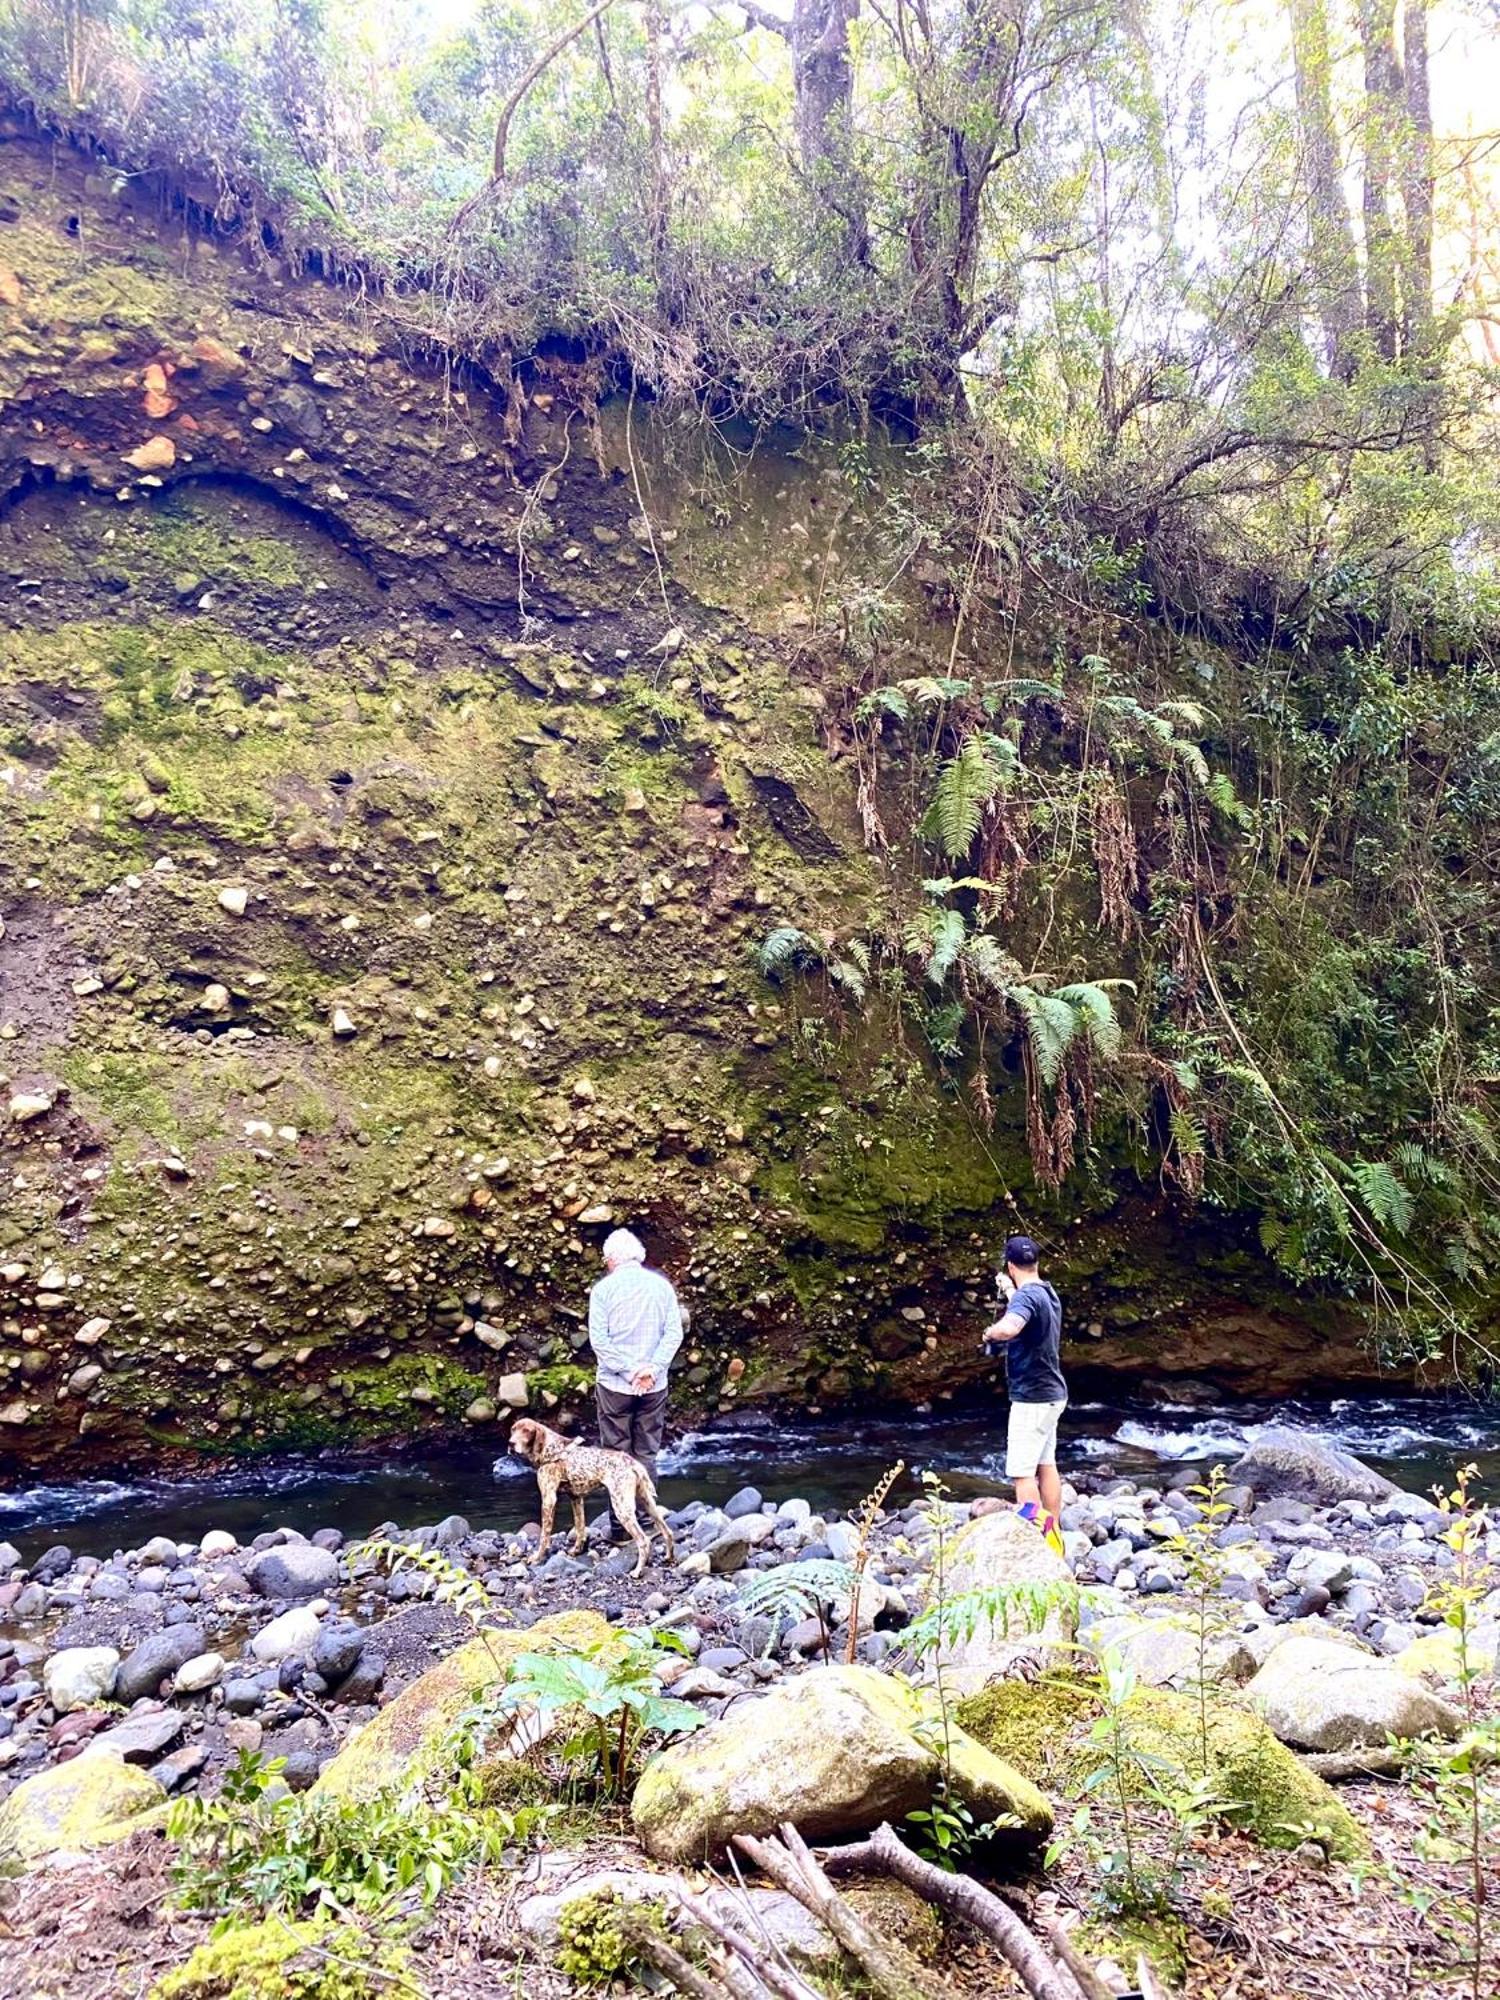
(565, 1466)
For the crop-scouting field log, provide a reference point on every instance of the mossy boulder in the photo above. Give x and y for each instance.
(835, 1752)
(277, 1960)
(411, 1738)
(90, 1801)
(1437, 1653)
(1265, 1788)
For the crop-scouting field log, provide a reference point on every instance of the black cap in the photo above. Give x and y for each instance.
(1022, 1252)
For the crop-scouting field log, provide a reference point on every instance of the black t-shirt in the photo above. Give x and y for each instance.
(1033, 1368)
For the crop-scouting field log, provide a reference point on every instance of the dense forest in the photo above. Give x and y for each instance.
(829, 630)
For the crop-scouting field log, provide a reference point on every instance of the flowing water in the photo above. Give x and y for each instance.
(832, 1464)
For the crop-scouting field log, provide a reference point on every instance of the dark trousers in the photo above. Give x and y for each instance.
(632, 1423)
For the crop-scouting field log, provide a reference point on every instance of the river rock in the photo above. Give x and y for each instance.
(411, 1737)
(156, 1659)
(746, 1501)
(79, 1676)
(10, 1557)
(834, 1752)
(336, 1652)
(1291, 1464)
(142, 1737)
(1319, 1696)
(765, 1916)
(1321, 1569)
(291, 1636)
(1163, 1652)
(198, 1675)
(292, 1571)
(217, 1542)
(362, 1682)
(91, 1801)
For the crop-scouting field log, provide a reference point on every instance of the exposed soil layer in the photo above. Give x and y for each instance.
(398, 769)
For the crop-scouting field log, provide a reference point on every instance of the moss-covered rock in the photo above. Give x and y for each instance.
(91, 1801)
(833, 1752)
(1263, 1787)
(280, 1960)
(413, 1737)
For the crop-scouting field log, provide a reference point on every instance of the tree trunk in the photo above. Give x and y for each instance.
(1383, 113)
(1417, 178)
(1330, 234)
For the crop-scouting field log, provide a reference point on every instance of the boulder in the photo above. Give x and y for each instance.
(88, 1802)
(1044, 1730)
(156, 1659)
(1298, 1467)
(834, 1752)
(1001, 1553)
(292, 1572)
(79, 1676)
(1327, 1697)
(411, 1737)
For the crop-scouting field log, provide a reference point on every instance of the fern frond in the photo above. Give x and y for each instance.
(944, 1025)
(1096, 1016)
(1190, 714)
(844, 973)
(1018, 692)
(966, 784)
(1385, 1196)
(1226, 800)
(990, 963)
(1189, 754)
(1051, 1025)
(883, 701)
(930, 690)
(947, 942)
(786, 948)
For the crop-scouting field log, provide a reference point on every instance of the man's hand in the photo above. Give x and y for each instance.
(997, 1331)
(1006, 1286)
(643, 1382)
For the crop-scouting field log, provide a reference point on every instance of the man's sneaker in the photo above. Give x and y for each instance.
(1049, 1525)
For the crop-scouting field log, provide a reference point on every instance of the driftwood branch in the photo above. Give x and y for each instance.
(672, 1966)
(1090, 1983)
(777, 1979)
(962, 1897)
(890, 1968)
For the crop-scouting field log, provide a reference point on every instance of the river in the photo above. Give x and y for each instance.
(831, 1463)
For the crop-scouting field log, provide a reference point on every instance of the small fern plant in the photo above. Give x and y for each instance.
(797, 1590)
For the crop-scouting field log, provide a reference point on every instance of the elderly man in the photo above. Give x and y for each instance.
(635, 1328)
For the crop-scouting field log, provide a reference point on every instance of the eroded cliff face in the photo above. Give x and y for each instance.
(398, 767)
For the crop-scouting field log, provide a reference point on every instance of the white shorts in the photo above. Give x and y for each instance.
(1031, 1438)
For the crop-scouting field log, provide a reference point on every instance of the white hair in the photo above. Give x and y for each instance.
(621, 1247)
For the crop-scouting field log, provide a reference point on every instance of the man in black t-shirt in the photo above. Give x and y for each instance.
(1031, 1331)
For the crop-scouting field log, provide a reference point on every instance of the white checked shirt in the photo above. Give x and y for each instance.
(635, 1326)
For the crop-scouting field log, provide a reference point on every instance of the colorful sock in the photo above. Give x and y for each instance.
(1052, 1534)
